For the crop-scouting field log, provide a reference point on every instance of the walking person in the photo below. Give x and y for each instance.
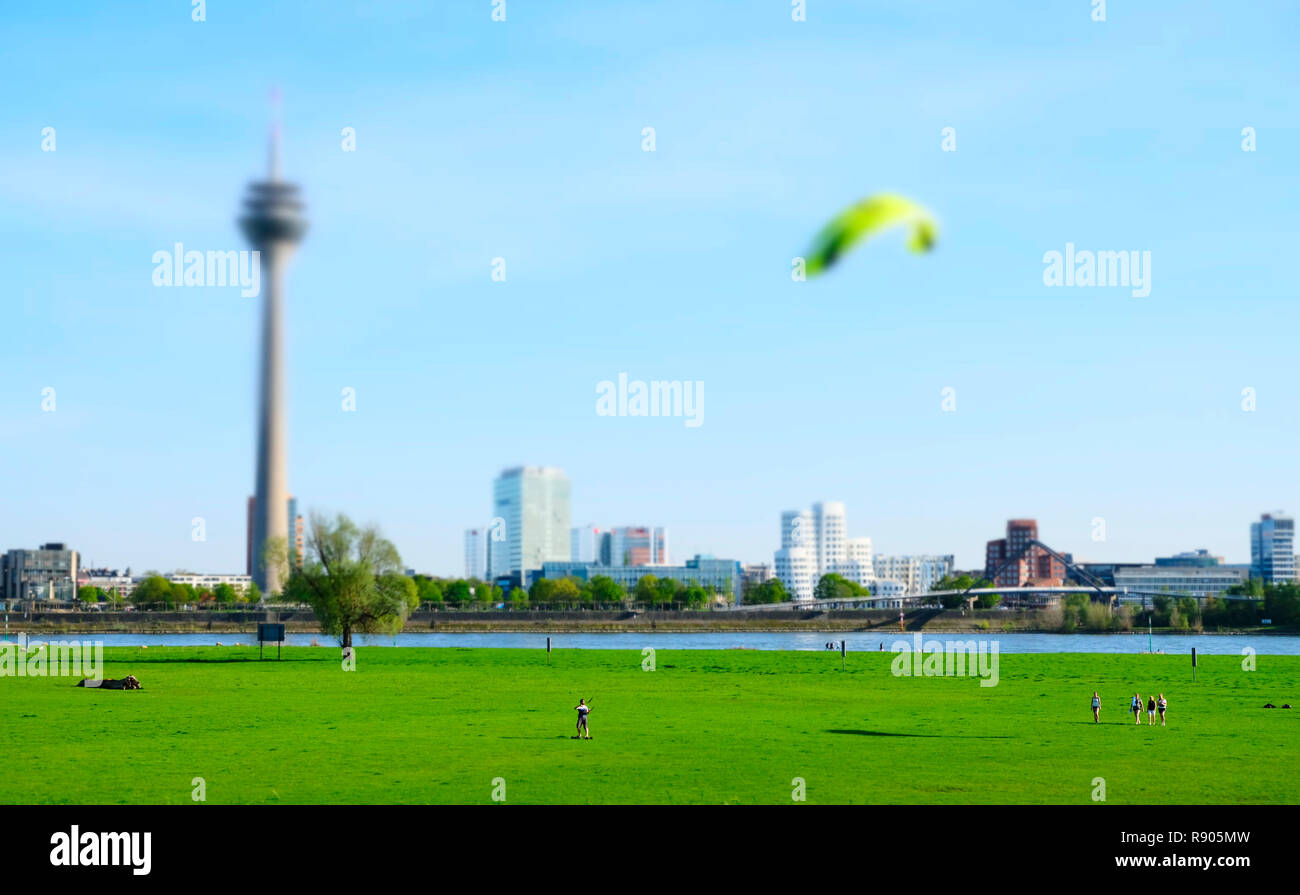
(1151, 711)
(1162, 705)
(1096, 708)
(1136, 707)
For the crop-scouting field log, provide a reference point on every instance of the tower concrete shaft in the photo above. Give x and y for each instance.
(274, 223)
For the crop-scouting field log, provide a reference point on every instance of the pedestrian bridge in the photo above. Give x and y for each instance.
(911, 601)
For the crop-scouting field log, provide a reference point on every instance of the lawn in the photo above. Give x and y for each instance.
(738, 726)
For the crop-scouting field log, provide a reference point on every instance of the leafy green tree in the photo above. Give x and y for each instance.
(153, 589)
(89, 594)
(960, 583)
(567, 590)
(224, 594)
(252, 593)
(770, 591)
(647, 589)
(1282, 604)
(603, 589)
(457, 592)
(352, 579)
(667, 591)
(833, 586)
(543, 590)
(430, 590)
(1252, 587)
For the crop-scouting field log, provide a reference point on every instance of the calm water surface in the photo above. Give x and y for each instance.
(1206, 644)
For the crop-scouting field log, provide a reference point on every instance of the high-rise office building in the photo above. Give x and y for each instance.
(584, 544)
(274, 223)
(532, 503)
(1272, 549)
(638, 545)
(476, 553)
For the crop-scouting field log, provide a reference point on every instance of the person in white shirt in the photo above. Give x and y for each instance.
(583, 711)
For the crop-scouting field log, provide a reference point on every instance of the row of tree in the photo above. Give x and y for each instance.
(155, 590)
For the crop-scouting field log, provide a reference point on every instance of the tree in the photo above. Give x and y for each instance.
(770, 591)
(543, 590)
(833, 586)
(667, 591)
(1282, 604)
(89, 594)
(603, 589)
(567, 590)
(153, 589)
(457, 591)
(225, 594)
(647, 589)
(430, 590)
(351, 577)
(252, 593)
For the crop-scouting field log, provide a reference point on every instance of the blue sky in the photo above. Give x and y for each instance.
(522, 139)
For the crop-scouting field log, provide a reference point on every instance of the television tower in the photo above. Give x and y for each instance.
(274, 223)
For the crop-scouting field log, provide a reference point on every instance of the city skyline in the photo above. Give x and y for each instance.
(1070, 405)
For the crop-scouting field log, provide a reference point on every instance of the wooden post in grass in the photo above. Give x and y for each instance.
(1193, 665)
(844, 648)
(548, 651)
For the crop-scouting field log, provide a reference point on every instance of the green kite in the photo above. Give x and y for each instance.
(866, 219)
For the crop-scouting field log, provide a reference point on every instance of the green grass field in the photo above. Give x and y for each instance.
(438, 725)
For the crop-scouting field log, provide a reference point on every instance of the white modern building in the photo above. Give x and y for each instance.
(796, 567)
(830, 531)
(532, 503)
(815, 543)
(857, 565)
(917, 573)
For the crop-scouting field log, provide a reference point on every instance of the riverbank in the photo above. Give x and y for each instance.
(303, 621)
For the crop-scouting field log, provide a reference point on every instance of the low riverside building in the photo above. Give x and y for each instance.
(1177, 581)
(208, 582)
(719, 575)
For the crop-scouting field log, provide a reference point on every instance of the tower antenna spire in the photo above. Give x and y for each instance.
(275, 134)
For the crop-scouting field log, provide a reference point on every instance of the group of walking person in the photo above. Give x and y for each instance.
(1153, 704)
